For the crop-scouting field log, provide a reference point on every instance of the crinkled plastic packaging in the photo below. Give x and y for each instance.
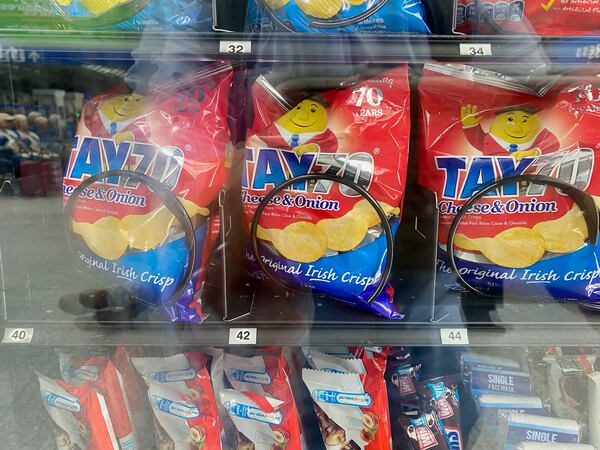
(323, 235)
(183, 401)
(551, 17)
(130, 15)
(350, 401)
(80, 415)
(176, 134)
(529, 240)
(337, 16)
(423, 432)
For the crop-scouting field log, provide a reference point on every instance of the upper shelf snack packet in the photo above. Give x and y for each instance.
(129, 15)
(549, 17)
(177, 135)
(477, 127)
(337, 16)
(324, 235)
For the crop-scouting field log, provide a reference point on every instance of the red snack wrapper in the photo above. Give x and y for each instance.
(178, 135)
(80, 415)
(478, 127)
(548, 17)
(106, 379)
(262, 422)
(312, 234)
(351, 408)
(182, 400)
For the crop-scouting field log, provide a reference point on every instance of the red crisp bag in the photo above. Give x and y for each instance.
(79, 414)
(106, 379)
(182, 400)
(543, 17)
(177, 134)
(478, 127)
(321, 234)
(262, 422)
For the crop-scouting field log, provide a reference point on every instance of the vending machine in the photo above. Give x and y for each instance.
(299, 225)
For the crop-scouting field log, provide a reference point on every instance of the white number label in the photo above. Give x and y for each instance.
(475, 49)
(454, 336)
(17, 335)
(373, 96)
(242, 336)
(235, 47)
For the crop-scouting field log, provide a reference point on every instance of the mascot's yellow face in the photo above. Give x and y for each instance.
(123, 107)
(308, 117)
(516, 127)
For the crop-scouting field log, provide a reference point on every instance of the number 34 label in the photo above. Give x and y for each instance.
(17, 335)
(476, 49)
(454, 336)
(242, 336)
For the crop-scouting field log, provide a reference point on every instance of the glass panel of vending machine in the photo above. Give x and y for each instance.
(299, 224)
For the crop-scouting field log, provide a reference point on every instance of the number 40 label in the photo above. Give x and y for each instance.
(242, 336)
(17, 335)
(454, 336)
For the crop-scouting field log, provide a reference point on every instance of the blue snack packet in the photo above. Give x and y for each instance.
(335, 16)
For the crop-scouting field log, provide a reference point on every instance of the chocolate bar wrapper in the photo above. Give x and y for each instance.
(441, 394)
(425, 432)
(322, 361)
(351, 409)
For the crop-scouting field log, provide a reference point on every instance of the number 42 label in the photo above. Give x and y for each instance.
(242, 336)
(454, 336)
(17, 335)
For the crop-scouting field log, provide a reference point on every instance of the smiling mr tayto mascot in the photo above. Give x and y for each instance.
(515, 130)
(116, 115)
(303, 129)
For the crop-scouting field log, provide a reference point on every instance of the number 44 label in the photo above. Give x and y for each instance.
(17, 335)
(454, 336)
(242, 336)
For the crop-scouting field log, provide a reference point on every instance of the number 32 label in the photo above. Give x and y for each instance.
(235, 46)
(242, 336)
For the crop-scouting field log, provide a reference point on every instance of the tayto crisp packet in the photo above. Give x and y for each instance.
(323, 235)
(337, 16)
(182, 400)
(80, 415)
(110, 14)
(478, 127)
(351, 408)
(551, 17)
(261, 422)
(106, 380)
(178, 135)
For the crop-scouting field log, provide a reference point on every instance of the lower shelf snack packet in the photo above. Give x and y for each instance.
(423, 432)
(262, 422)
(109, 14)
(567, 378)
(324, 235)
(478, 127)
(516, 428)
(351, 409)
(183, 401)
(337, 16)
(106, 380)
(441, 395)
(178, 135)
(552, 17)
(80, 415)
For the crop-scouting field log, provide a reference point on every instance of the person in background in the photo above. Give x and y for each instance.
(9, 154)
(28, 141)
